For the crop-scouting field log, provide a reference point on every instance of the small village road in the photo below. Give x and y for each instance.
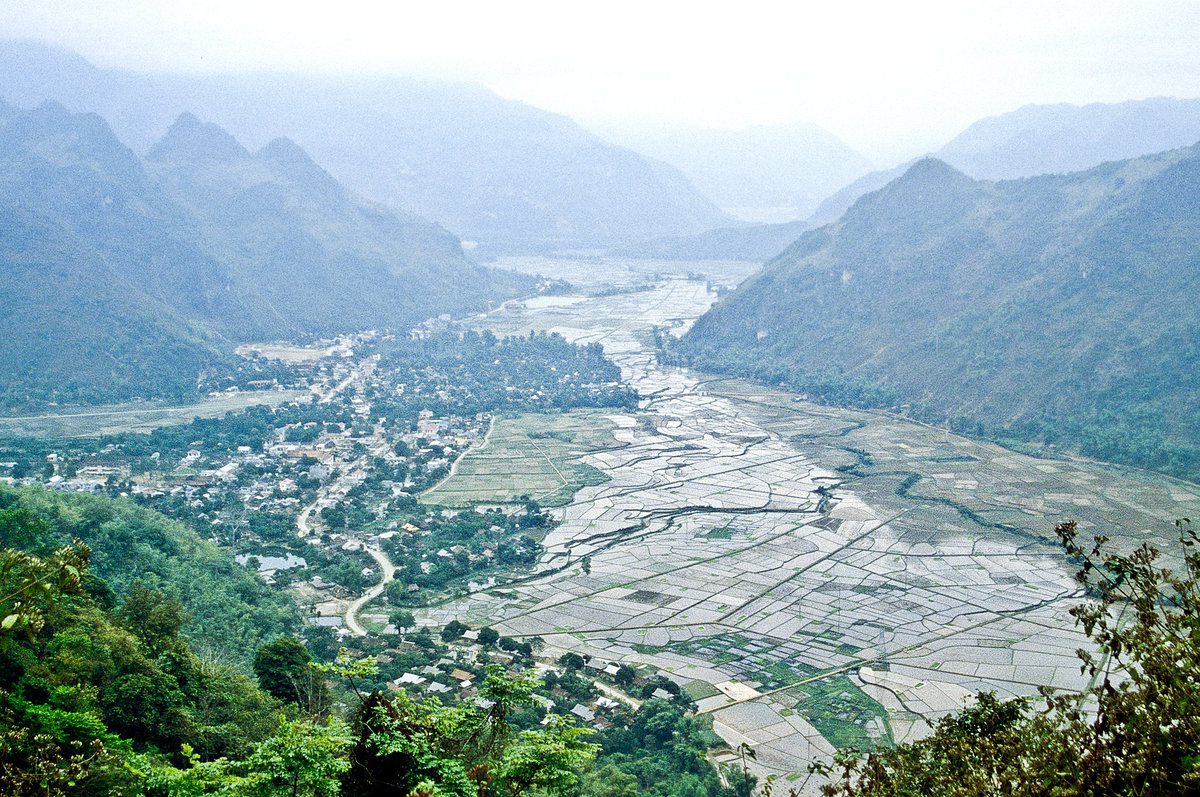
(389, 572)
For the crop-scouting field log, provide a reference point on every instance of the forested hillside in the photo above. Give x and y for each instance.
(123, 278)
(230, 610)
(1056, 310)
(304, 255)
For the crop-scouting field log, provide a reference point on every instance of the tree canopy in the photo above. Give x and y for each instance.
(1135, 731)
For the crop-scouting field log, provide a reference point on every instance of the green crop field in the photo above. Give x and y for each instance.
(842, 712)
(534, 454)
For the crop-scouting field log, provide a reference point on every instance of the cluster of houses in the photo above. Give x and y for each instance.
(456, 675)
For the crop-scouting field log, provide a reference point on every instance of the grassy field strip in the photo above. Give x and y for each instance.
(118, 418)
(550, 462)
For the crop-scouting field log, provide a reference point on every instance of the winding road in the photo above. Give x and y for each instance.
(304, 528)
(389, 573)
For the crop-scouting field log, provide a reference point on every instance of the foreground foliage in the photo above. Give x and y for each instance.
(100, 699)
(84, 687)
(427, 749)
(662, 753)
(1134, 731)
(230, 611)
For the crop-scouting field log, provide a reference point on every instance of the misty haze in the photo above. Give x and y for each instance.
(599, 402)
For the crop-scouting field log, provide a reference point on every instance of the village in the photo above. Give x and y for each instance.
(451, 666)
(319, 492)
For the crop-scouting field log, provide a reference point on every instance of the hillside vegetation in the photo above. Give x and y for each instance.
(230, 610)
(128, 278)
(1057, 310)
(105, 688)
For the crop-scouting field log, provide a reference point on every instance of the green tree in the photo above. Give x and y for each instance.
(29, 585)
(453, 630)
(464, 750)
(403, 619)
(154, 618)
(547, 759)
(284, 670)
(80, 691)
(1135, 731)
(608, 781)
(303, 758)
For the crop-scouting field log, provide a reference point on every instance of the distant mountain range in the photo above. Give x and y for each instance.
(1052, 139)
(1045, 139)
(752, 242)
(128, 278)
(1036, 139)
(776, 173)
(1055, 309)
(496, 172)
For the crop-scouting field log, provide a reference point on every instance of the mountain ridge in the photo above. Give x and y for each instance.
(131, 278)
(790, 166)
(1051, 309)
(1045, 139)
(495, 171)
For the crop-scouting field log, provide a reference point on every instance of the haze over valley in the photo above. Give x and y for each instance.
(370, 425)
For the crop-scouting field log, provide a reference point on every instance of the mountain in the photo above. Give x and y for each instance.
(1048, 139)
(102, 273)
(1045, 139)
(304, 255)
(497, 172)
(837, 203)
(127, 278)
(753, 242)
(775, 171)
(1057, 309)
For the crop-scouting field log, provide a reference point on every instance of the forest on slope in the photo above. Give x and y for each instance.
(231, 611)
(1054, 310)
(126, 277)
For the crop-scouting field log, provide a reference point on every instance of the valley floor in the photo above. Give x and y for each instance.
(813, 577)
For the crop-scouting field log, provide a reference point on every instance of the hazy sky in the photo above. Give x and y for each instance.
(888, 77)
